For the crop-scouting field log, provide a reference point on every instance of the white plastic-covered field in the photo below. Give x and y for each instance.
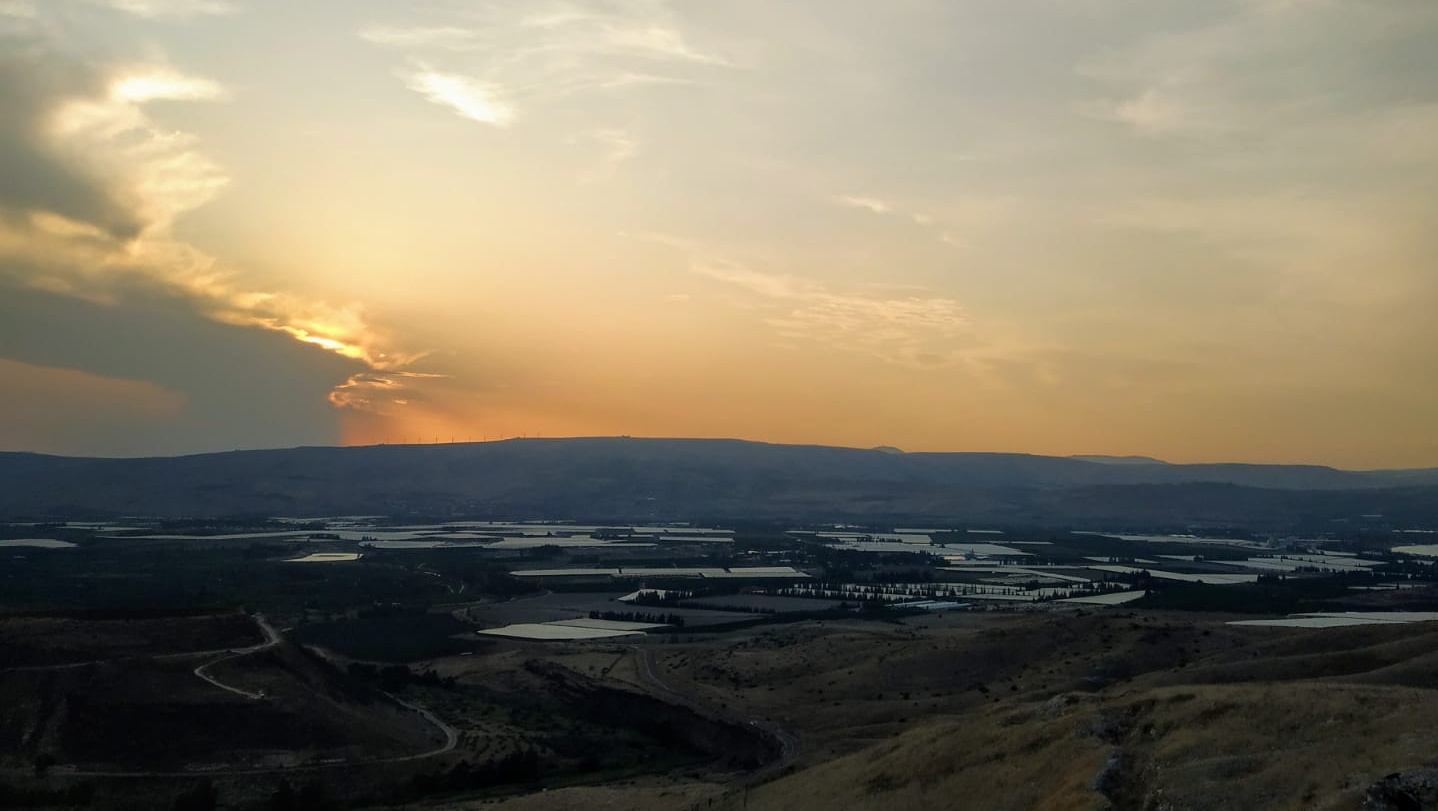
(1023, 571)
(982, 549)
(37, 543)
(435, 543)
(1188, 577)
(1186, 539)
(537, 541)
(1292, 563)
(551, 632)
(608, 625)
(1112, 598)
(1424, 550)
(326, 557)
(736, 572)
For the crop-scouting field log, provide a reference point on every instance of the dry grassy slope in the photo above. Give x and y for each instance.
(843, 685)
(1306, 719)
(639, 794)
(1097, 711)
(1383, 654)
(1210, 747)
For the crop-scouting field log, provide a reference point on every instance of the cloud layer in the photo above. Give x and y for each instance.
(1192, 230)
(95, 186)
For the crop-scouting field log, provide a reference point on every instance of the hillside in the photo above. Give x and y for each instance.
(167, 711)
(1278, 732)
(624, 478)
(1109, 712)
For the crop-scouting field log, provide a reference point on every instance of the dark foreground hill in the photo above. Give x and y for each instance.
(632, 479)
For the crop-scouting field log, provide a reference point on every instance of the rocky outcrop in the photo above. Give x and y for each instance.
(1410, 790)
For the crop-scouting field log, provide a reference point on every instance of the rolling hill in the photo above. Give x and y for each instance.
(631, 479)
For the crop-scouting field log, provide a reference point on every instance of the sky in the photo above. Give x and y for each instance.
(1197, 231)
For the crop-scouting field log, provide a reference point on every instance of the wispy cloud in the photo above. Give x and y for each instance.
(1235, 75)
(910, 330)
(169, 8)
(765, 284)
(163, 84)
(616, 147)
(536, 55)
(868, 203)
(653, 41)
(441, 37)
(940, 227)
(466, 96)
(1160, 112)
(19, 9)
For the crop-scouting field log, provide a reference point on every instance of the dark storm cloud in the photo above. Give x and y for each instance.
(242, 387)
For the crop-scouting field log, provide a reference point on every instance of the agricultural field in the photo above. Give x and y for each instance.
(433, 665)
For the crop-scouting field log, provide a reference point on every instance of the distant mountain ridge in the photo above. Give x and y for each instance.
(680, 478)
(1105, 459)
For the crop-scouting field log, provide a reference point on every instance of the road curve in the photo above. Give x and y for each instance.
(788, 743)
(272, 637)
(189, 654)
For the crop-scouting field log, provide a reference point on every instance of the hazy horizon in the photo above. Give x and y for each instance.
(432, 442)
(1197, 232)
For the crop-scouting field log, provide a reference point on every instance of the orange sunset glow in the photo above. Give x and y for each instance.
(1046, 226)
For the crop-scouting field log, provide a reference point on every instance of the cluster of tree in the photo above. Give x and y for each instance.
(639, 616)
(393, 678)
(720, 605)
(378, 609)
(1272, 594)
(1414, 568)
(407, 636)
(851, 565)
(309, 797)
(657, 597)
(73, 796)
(30, 530)
(519, 766)
(217, 526)
(261, 551)
(201, 797)
(484, 577)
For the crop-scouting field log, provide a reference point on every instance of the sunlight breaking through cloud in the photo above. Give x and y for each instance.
(101, 134)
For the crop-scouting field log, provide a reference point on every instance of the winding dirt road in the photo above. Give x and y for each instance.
(272, 638)
(650, 673)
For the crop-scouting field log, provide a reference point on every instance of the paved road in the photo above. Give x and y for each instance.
(650, 673)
